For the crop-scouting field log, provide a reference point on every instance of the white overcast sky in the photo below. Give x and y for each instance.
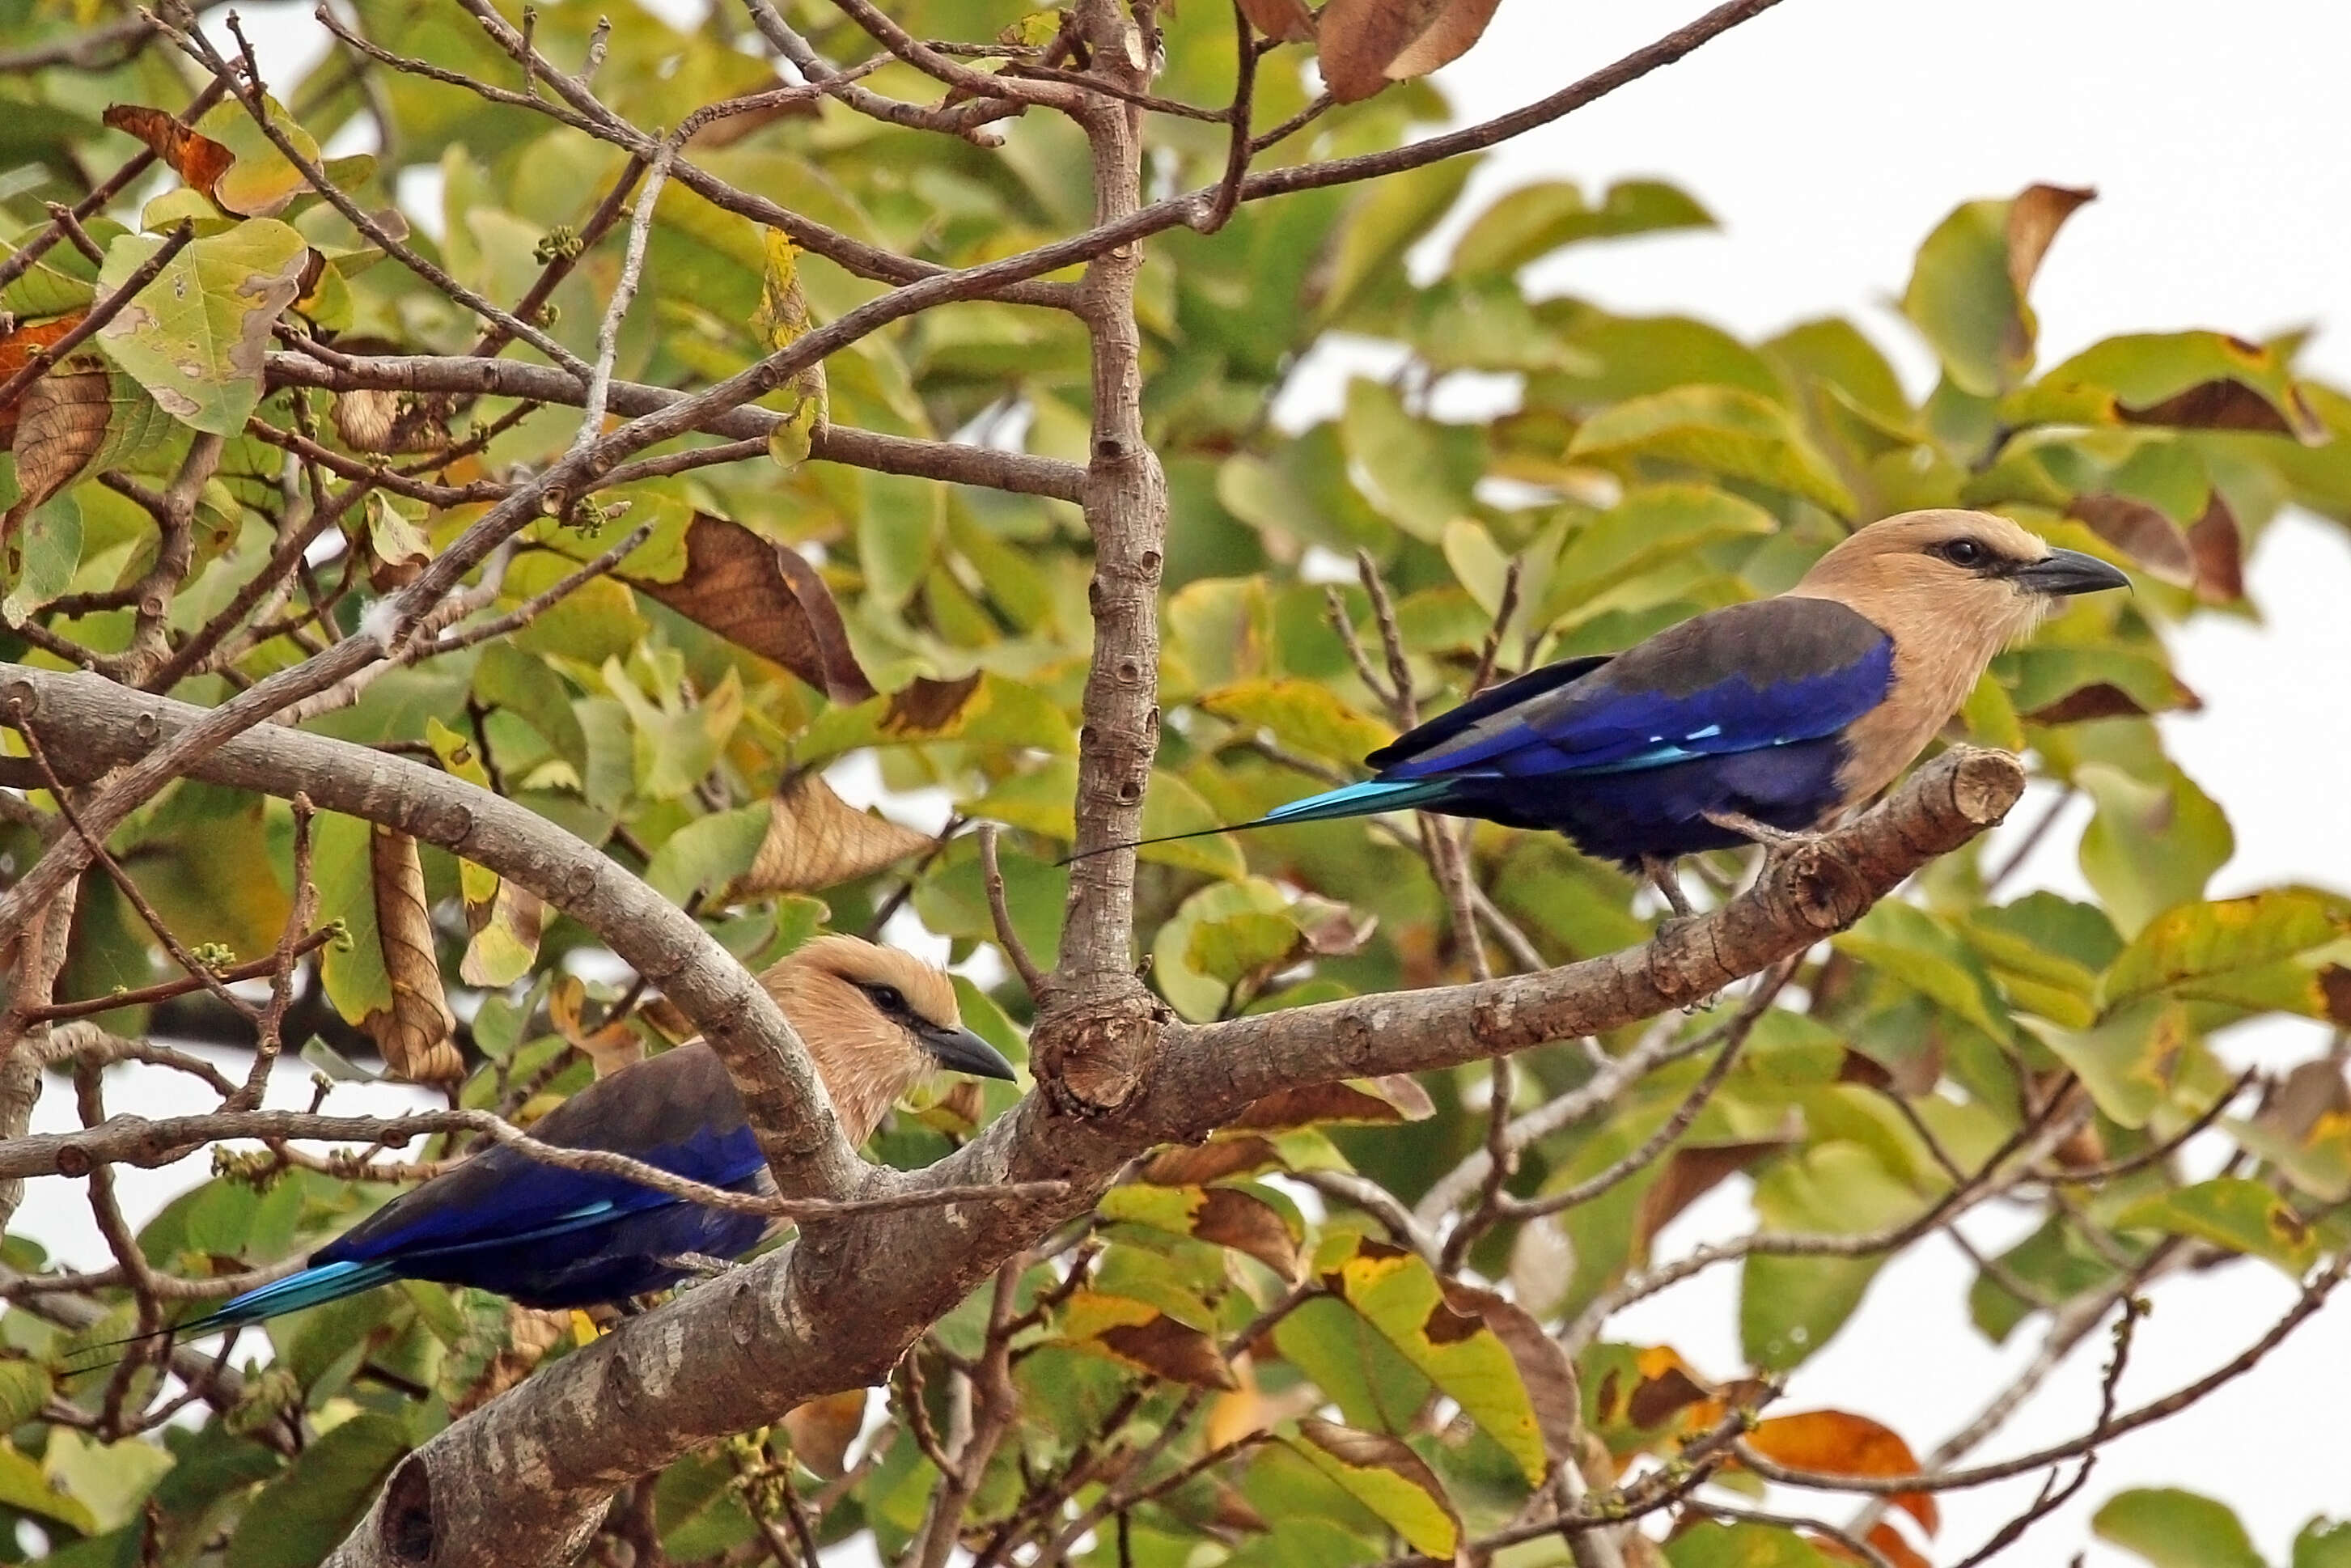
(1829, 136)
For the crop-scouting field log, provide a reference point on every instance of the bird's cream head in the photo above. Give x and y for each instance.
(877, 1021)
(1970, 582)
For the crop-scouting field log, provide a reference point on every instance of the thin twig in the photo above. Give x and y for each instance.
(1008, 936)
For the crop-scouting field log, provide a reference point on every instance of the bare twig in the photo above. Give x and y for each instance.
(1008, 936)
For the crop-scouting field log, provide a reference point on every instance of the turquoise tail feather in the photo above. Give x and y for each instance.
(1368, 798)
(310, 1288)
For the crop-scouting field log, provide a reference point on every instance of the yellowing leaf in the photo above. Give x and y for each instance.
(1221, 1216)
(2188, 950)
(1303, 714)
(1387, 1477)
(1722, 430)
(197, 337)
(1399, 1295)
(1142, 1335)
(2234, 1212)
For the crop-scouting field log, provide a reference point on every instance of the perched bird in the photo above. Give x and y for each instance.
(875, 1020)
(1759, 722)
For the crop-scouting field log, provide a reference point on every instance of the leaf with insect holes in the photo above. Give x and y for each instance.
(816, 840)
(197, 337)
(765, 597)
(413, 1032)
(1386, 1477)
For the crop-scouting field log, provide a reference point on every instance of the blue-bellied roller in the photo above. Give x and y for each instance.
(875, 1020)
(1761, 721)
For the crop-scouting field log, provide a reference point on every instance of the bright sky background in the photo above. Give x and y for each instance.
(1829, 136)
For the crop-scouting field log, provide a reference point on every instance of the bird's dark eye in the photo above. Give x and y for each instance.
(889, 998)
(1962, 552)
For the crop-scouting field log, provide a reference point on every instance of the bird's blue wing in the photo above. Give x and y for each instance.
(1745, 678)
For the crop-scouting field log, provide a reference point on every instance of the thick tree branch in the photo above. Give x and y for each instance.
(90, 724)
(527, 1477)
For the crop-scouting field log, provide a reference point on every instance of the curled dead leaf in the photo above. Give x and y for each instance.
(815, 839)
(61, 422)
(611, 1046)
(16, 351)
(195, 157)
(2228, 404)
(1210, 1162)
(1693, 1171)
(1231, 1217)
(2102, 699)
(765, 597)
(413, 1033)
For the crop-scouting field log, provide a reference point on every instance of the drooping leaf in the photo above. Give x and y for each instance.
(1720, 430)
(1364, 45)
(765, 597)
(2191, 949)
(1386, 1477)
(816, 840)
(1230, 1217)
(1840, 1443)
(413, 1032)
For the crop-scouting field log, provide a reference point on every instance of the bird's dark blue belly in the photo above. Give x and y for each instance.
(1660, 811)
(603, 1263)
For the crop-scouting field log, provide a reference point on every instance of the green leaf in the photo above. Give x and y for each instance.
(985, 709)
(1386, 1477)
(2241, 1214)
(23, 1487)
(898, 535)
(2324, 1544)
(23, 1388)
(195, 337)
(1417, 472)
(299, 1516)
(1383, 223)
(2190, 379)
(2127, 1059)
(1741, 1546)
(1398, 1294)
(43, 558)
(1789, 1307)
(1235, 914)
(353, 965)
(2176, 1529)
(1531, 221)
(1906, 942)
(1306, 715)
(2151, 845)
(110, 1478)
(1722, 430)
(1967, 290)
(2189, 950)
(707, 854)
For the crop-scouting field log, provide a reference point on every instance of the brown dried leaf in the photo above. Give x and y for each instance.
(1461, 24)
(530, 1335)
(1231, 1217)
(2334, 986)
(760, 595)
(2219, 550)
(1289, 20)
(61, 422)
(197, 159)
(1372, 1101)
(2033, 219)
(16, 351)
(2227, 404)
(414, 1034)
(822, 1429)
(815, 839)
(1168, 1349)
(2101, 699)
(1210, 1162)
(2141, 532)
(1358, 38)
(1331, 930)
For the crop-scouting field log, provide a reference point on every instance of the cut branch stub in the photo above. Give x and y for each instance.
(763, 596)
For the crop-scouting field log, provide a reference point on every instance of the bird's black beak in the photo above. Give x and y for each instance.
(960, 1051)
(2069, 572)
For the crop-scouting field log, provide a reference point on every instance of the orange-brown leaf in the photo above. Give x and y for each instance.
(1358, 38)
(1376, 1101)
(1840, 1443)
(413, 1033)
(1210, 1162)
(197, 159)
(1461, 24)
(763, 596)
(1289, 20)
(611, 1046)
(815, 839)
(1231, 1217)
(1171, 1350)
(822, 1429)
(16, 351)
